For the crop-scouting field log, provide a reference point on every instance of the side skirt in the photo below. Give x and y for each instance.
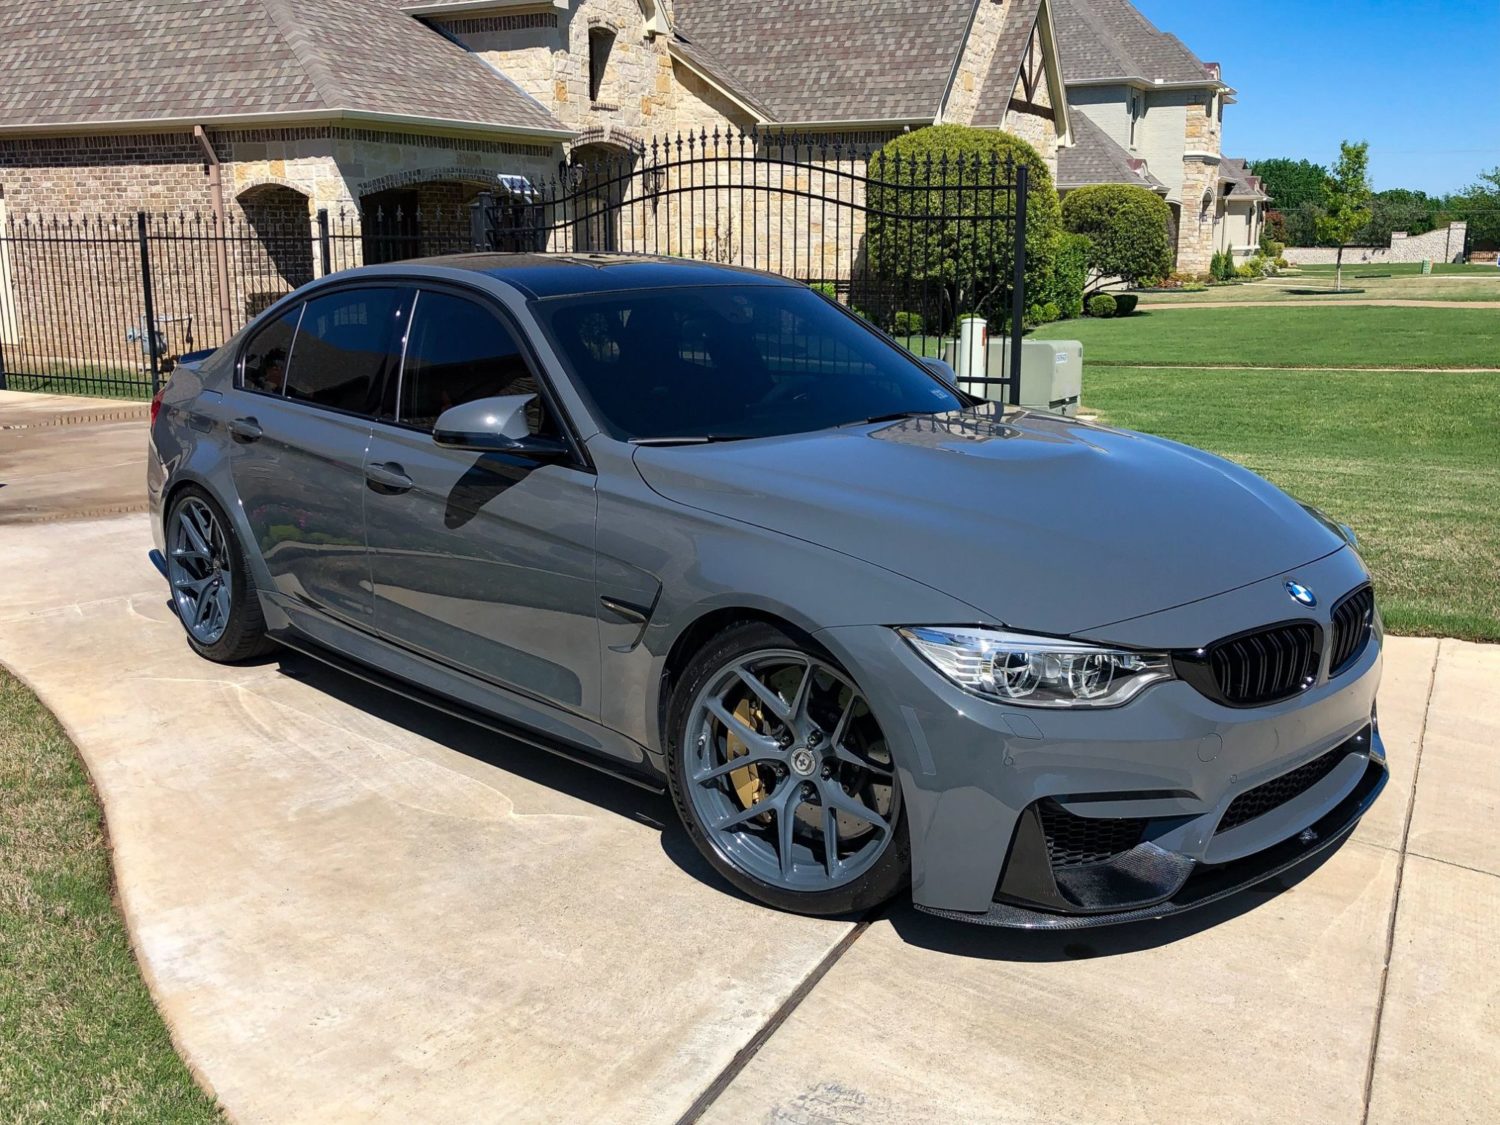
(640, 776)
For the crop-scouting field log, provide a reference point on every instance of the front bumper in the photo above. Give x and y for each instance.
(1065, 819)
(1167, 882)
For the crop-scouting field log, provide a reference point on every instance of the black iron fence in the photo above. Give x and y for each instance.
(106, 304)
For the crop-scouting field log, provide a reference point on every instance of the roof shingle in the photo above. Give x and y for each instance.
(1099, 39)
(833, 60)
(1096, 158)
(71, 62)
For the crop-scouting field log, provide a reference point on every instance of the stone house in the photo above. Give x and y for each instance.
(120, 104)
(263, 112)
(1147, 111)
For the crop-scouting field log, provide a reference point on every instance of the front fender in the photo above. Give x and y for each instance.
(696, 563)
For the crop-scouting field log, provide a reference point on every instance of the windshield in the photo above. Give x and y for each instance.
(721, 363)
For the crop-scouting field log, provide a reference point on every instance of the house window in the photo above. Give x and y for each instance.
(1135, 113)
(601, 42)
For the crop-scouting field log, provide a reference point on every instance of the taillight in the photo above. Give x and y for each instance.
(156, 403)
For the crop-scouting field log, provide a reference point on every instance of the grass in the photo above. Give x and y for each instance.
(1411, 461)
(79, 1037)
(1401, 269)
(95, 380)
(1362, 282)
(1317, 337)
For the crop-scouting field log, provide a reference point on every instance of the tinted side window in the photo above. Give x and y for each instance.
(342, 354)
(459, 351)
(267, 353)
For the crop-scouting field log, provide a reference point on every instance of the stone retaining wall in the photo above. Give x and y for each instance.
(1443, 245)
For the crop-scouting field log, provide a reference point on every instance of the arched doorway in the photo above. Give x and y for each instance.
(598, 174)
(419, 214)
(276, 254)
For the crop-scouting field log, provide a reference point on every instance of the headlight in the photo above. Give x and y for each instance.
(1038, 671)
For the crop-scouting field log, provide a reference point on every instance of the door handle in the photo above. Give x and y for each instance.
(246, 429)
(388, 477)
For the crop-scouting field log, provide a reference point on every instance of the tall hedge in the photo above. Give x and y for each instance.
(1127, 228)
(952, 246)
(1063, 289)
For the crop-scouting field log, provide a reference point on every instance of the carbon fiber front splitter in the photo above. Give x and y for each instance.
(1207, 882)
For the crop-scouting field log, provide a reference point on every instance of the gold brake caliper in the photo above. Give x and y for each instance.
(748, 786)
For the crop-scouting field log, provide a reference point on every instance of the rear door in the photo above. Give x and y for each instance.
(309, 386)
(483, 561)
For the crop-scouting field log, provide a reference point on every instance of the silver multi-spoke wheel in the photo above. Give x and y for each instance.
(788, 773)
(198, 566)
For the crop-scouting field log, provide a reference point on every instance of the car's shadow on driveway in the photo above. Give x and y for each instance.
(619, 797)
(533, 764)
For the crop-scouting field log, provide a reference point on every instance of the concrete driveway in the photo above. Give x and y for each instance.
(350, 908)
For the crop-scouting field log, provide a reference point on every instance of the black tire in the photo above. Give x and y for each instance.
(889, 874)
(244, 637)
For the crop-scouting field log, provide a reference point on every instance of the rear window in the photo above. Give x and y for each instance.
(343, 349)
(731, 362)
(267, 353)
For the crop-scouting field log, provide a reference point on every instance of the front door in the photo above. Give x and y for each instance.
(484, 562)
(308, 388)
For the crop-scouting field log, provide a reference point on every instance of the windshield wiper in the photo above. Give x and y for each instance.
(894, 416)
(696, 439)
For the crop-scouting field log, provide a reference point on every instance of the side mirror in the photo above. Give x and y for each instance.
(943, 370)
(495, 425)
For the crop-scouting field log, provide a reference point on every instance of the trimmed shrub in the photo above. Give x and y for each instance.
(964, 262)
(908, 324)
(1127, 228)
(1125, 303)
(1246, 272)
(1102, 305)
(1221, 267)
(1070, 273)
(827, 288)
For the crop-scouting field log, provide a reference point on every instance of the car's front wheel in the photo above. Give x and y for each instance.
(783, 777)
(213, 590)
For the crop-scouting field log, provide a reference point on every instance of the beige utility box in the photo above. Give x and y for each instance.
(1051, 373)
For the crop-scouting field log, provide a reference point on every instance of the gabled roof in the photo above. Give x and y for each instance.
(1241, 182)
(1096, 158)
(1005, 66)
(830, 61)
(1109, 39)
(104, 63)
(1021, 17)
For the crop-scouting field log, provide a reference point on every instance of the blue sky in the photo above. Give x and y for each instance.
(1419, 80)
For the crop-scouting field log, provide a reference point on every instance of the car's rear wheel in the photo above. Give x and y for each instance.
(783, 777)
(213, 590)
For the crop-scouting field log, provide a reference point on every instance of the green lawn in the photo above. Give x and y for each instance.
(79, 1037)
(1290, 336)
(61, 378)
(1401, 269)
(1410, 461)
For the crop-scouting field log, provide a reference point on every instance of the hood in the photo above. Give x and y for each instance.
(1039, 522)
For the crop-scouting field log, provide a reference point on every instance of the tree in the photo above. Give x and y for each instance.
(1127, 228)
(1398, 209)
(1301, 223)
(1346, 201)
(1290, 183)
(1479, 206)
(939, 228)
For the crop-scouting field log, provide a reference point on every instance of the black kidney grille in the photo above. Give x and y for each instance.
(1265, 666)
(1279, 790)
(1353, 620)
(1073, 841)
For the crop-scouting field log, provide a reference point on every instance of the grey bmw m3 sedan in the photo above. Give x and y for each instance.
(703, 528)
